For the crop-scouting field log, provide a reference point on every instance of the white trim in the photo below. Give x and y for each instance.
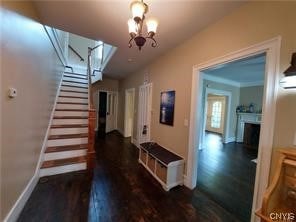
(135, 142)
(272, 49)
(44, 144)
(21, 201)
(108, 57)
(120, 131)
(18, 206)
(230, 139)
(249, 84)
(51, 33)
(227, 125)
(220, 80)
(231, 82)
(131, 90)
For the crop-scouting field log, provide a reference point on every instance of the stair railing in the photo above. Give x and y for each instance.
(76, 53)
(91, 114)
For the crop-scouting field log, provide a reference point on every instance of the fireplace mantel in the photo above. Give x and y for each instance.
(242, 118)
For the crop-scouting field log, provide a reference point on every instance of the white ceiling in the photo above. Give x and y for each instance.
(246, 71)
(106, 20)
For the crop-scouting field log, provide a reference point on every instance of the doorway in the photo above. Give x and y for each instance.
(215, 114)
(129, 113)
(102, 113)
(144, 113)
(107, 112)
(226, 171)
(272, 49)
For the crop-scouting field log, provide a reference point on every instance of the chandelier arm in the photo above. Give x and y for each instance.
(154, 43)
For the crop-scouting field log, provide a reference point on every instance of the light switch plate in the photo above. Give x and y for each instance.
(186, 122)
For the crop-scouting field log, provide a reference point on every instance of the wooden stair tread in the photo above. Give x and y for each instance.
(63, 162)
(83, 83)
(72, 103)
(74, 73)
(53, 149)
(76, 97)
(69, 126)
(68, 136)
(82, 87)
(70, 117)
(72, 91)
(74, 110)
(76, 77)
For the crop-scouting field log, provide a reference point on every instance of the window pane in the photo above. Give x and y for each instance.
(216, 114)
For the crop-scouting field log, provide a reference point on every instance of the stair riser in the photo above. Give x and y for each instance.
(76, 74)
(73, 94)
(75, 79)
(72, 100)
(75, 89)
(65, 131)
(71, 106)
(62, 169)
(74, 84)
(69, 121)
(65, 142)
(70, 113)
(64, 154)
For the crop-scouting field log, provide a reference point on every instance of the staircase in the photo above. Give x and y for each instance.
(67, 143)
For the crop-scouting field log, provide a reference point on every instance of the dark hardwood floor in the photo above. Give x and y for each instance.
(227, 175)
(121, 191)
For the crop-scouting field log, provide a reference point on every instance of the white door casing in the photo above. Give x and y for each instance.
(271, 83)
(111, 113)
(129, 112)
(144, 113)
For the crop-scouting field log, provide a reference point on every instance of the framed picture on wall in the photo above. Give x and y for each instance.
(167, 107)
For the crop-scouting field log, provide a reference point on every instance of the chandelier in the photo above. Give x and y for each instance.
(135, 25)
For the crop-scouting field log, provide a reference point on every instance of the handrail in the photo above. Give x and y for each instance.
(76, 53)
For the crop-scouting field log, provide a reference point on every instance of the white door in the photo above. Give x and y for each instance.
(111, 115)
(144, 113)
(129, 112)
(215, 115)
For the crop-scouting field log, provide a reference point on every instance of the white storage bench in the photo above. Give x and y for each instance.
(165, 166)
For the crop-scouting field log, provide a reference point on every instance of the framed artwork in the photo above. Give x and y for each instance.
(167, 107)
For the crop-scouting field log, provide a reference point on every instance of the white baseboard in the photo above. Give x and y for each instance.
(18, 206)
(135, 142)
(120, 131)
(229, 139)
(44, 145)
(21, 201)
(187, 183)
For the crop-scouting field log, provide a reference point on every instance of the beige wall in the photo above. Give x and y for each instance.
(252, 23)
(252, 94)
(30, 64)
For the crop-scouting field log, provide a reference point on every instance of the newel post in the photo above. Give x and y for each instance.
(91, 154)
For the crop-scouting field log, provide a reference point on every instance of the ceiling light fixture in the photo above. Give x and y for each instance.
(135, 25)
(289, 81)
